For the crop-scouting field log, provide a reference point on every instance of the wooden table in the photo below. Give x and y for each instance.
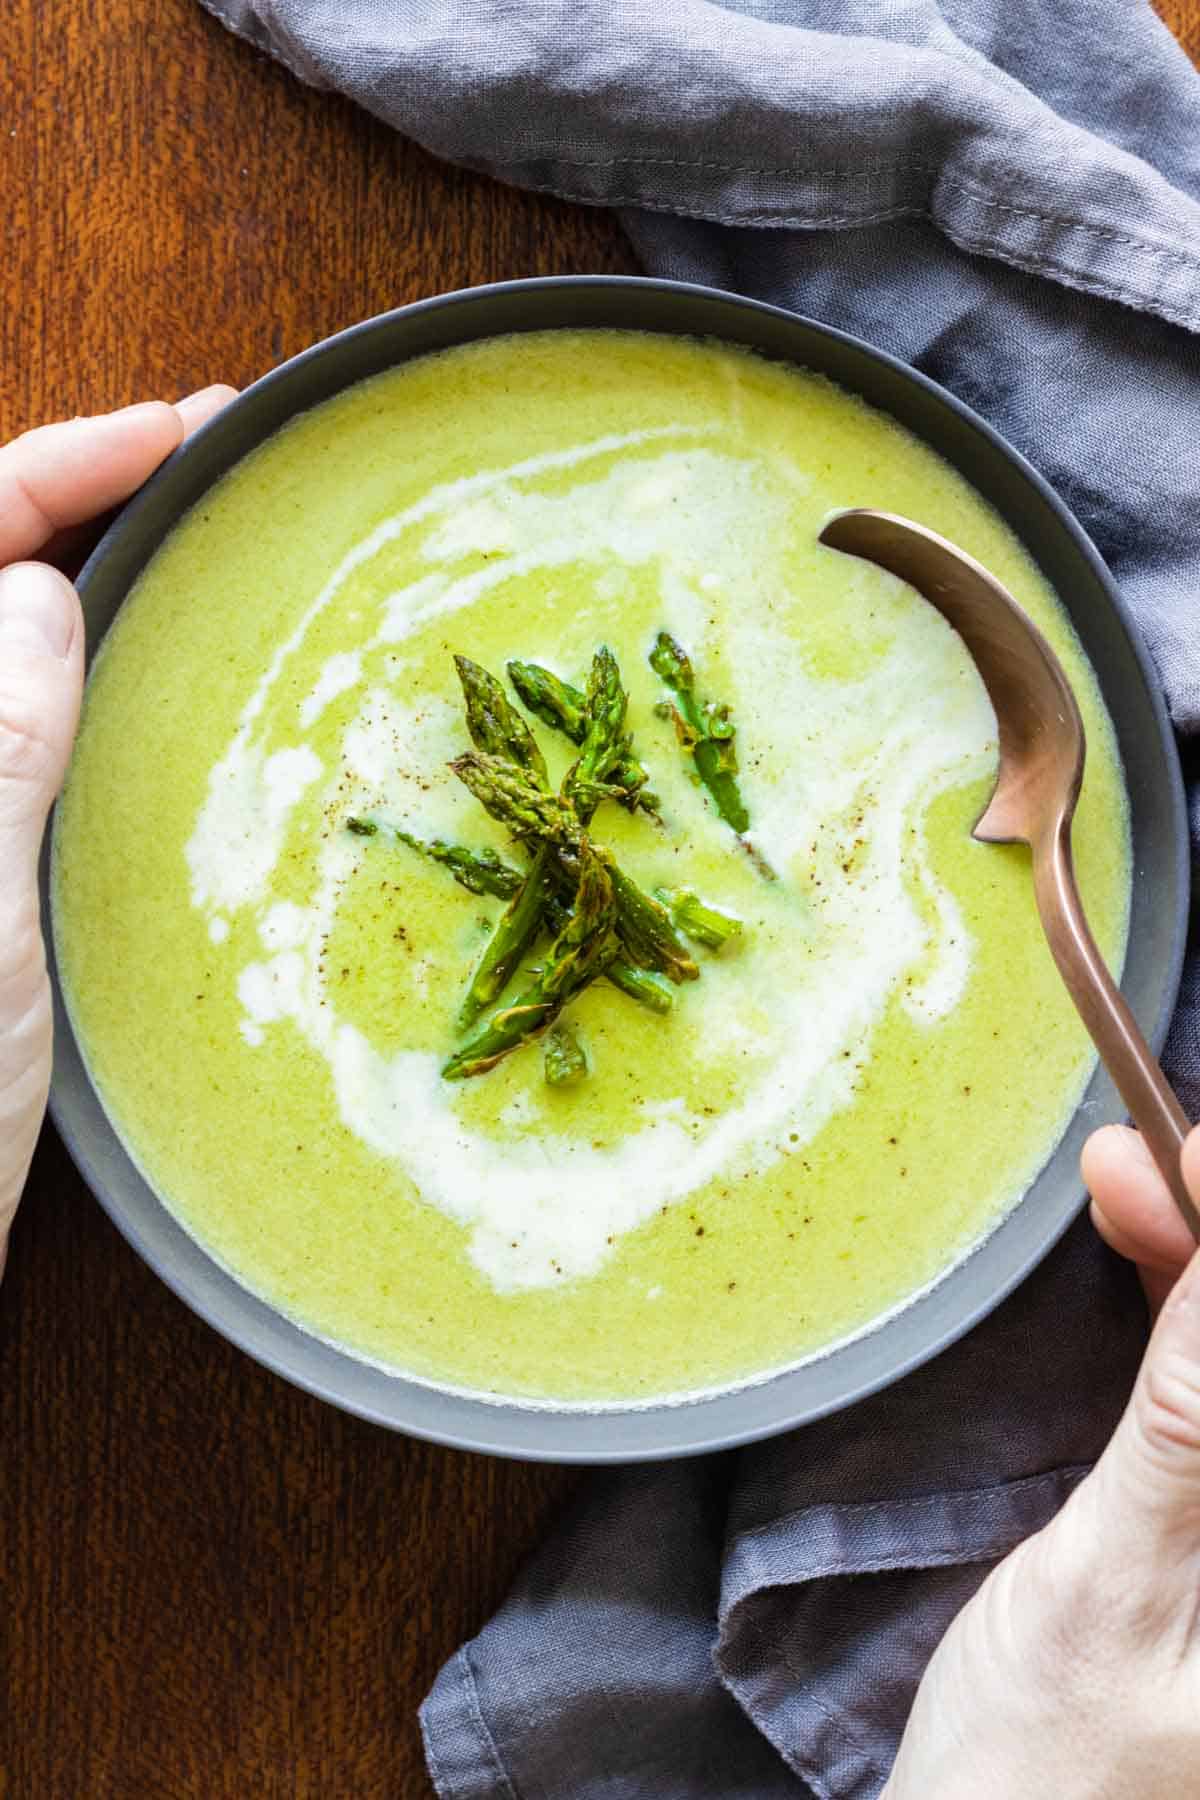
(210, 1584)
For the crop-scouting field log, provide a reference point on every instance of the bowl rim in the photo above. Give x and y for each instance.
(498, 1426)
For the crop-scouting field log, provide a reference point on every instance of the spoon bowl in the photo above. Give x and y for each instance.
(1042, 750)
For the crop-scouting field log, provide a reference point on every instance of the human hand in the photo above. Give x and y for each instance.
(1075, 1670)
(51, 480)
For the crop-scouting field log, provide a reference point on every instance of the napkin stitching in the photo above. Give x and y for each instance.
(482, 1725)
(1097, 231)
(765, 216)
(836, 1722)
(431, 1755)
(953, 1557)
(1066, 1472)
(1187, 257)
(475, 1712)
(1190, 259)
(720, 168)
(1124, 295)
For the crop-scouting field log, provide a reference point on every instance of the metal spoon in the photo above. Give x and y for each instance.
(1041, 768)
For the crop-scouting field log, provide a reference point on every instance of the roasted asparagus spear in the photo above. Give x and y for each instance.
(643, 923)
(479, 871)
(579, 953)
(707, 731)
(564, 708)
(707, 925)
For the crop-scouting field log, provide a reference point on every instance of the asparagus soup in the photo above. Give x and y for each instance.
(514, 889)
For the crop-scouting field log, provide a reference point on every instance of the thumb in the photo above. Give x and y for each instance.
(41, 675)
(1148, 1480)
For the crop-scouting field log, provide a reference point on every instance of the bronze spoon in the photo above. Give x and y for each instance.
(1041, 768)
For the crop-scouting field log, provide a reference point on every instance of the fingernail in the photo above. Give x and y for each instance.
(38, 610)
(200, 399)
(1135, 1143)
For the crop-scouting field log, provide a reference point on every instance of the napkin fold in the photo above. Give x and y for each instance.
(756, 1624)
(1006, 194)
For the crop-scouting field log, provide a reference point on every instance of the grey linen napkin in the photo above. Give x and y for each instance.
(1007, 194)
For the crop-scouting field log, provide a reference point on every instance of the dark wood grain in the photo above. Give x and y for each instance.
(210, 1584)
(213, 1585)
(180, 210)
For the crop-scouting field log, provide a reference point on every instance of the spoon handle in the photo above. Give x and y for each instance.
(1114, 1031)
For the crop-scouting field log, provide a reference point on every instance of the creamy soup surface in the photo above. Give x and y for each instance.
(847, 1099)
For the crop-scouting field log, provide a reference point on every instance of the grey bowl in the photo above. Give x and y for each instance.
(1160, 894)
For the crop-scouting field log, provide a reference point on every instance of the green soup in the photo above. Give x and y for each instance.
(851, 1094)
